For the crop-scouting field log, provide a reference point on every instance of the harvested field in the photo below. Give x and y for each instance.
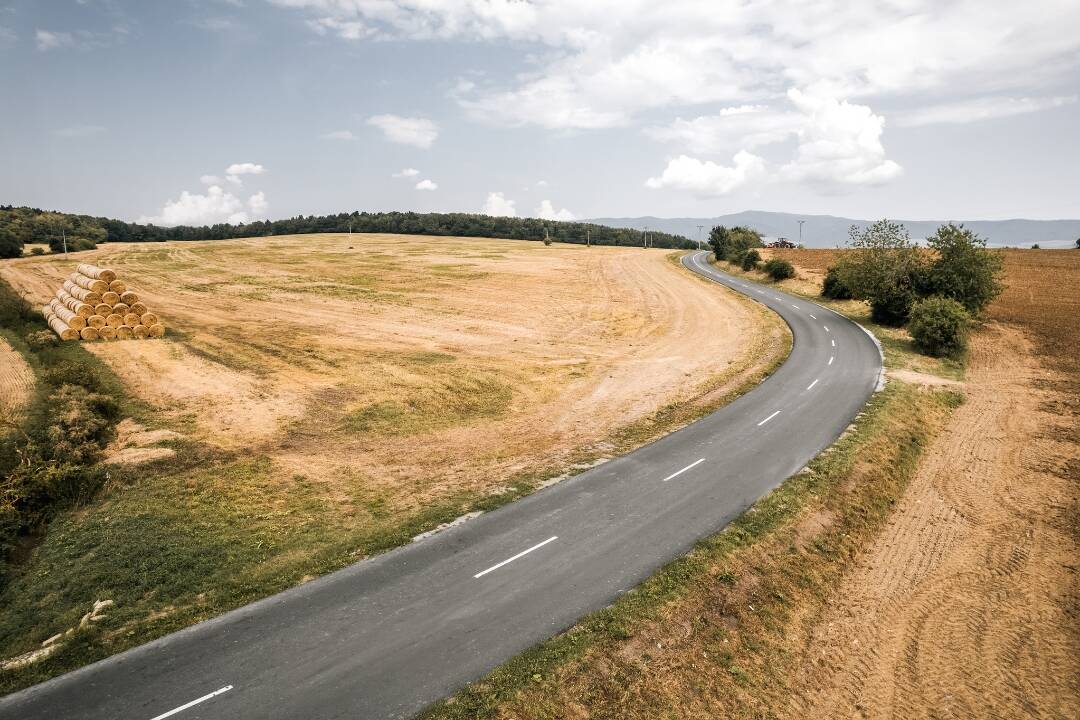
(16, 380)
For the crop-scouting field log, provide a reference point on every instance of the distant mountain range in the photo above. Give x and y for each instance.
(823, 231)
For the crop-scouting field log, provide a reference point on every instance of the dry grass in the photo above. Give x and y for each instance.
(335, 401)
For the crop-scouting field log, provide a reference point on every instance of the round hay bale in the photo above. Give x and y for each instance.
(123, 332)
(61, 329)
(148, 319)
(157, 330)
(140, 331)
(114, 320)
(81, 293)
(75, 322)
(89, 333)
(121, 309)
(110, 298)
(95, 321)
(139, 309)
(103, 309)
(76, 306)
(98, 286)
(117, 286)
(107, 333)
(131, 319)
(95, 272)
(129, 297)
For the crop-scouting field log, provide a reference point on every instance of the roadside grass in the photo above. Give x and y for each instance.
(191, 537)
(712, 633)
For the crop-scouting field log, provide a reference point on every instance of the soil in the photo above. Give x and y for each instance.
(16, 380)
(966, 604)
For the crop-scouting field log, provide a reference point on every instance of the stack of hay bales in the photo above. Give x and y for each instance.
(94, 305)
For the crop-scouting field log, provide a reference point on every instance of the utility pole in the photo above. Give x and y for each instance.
(646, 237)
(63, 234)
(587, 242)
(699, 227)
(800, 231)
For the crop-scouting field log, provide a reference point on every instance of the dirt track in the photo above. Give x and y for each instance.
(965, 606)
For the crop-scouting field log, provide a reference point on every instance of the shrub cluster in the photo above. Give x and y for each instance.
(732, 244)
(779, 269)
(895, 277)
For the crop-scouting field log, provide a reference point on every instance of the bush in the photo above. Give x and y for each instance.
(963, 270)
(834, 286)
(939, 326)
(40, 339)
(37, 251)
(750, 259)
(892, 305)
(779, 269)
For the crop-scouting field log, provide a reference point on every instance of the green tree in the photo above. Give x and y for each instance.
(884, 271)
(11, 245)
(834, 287)
(749, 259)
(939, 326)
(729, 243)
(779, 269)
(963, 268)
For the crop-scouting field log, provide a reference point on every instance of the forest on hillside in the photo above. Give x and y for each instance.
(22, 225)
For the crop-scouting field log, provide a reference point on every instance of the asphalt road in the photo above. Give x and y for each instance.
(388, 636)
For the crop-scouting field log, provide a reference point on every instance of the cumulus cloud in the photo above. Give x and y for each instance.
(406, 173)
(706, 178)
(216, 205)
(606, 63)
(416, 131)
(547, 211)
(339, 135)
(498, 205)
(981, 109)
(427, 185)
(839, 145)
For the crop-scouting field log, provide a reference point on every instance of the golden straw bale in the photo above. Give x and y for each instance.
(75, 322)
(89, 333)
(107, 333)
(98, 286)
(148, 319)
(121, 309)
(95, 321)
(60, 328)
(118, 286)
(81, 293)
(110, 298)
(123, 332)
(131, 319)
(140, 331)
(95, 272)
(103, 309)
(129, 297)
(157, 330)
(138, 308)
(114, 320)
(76, 306)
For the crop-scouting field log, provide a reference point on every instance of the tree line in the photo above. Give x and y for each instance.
(22, 225)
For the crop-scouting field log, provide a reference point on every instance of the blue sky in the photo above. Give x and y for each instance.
(230, 110)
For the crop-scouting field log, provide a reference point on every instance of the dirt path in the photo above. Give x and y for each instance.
(16, 380)
(965, 607)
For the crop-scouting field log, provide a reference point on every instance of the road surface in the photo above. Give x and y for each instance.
(388, 636)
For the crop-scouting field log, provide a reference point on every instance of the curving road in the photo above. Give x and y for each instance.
(387, 636)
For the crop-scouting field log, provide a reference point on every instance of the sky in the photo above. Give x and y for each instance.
(203, 111)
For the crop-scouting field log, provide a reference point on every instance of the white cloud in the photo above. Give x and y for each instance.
(257, 205)
(745, 126)
(48, 40)
(604, 63)
(839, 145)
(981, 109)
(339, 135)
(216, 206)
(427, 185)
(547, 211)
(706, 178)
(498, 205)
(406, 173)
(541, 183)
(416, 131)
(233, 172)
(80, 131)
(210, 180)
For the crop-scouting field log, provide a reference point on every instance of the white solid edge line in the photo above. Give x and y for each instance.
(768, 418)
(811, 385)
(511, 559)
(680, 472)
(831, 358)
(185, 706)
